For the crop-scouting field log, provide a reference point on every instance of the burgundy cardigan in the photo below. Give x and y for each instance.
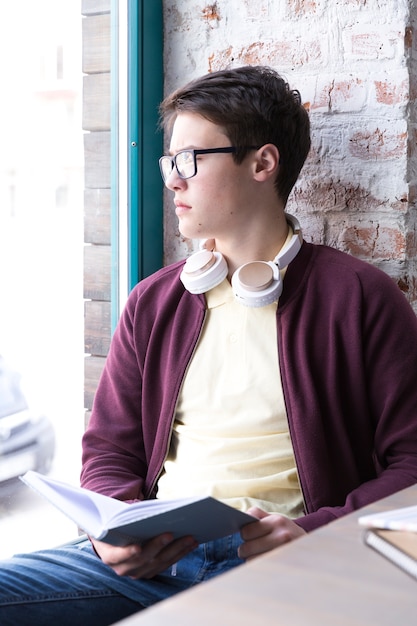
(347, 342)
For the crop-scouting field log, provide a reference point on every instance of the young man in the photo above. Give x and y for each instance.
(275, 375)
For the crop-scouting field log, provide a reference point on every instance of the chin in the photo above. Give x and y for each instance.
(189, 233)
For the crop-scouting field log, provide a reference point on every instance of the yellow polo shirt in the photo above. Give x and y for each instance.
(230, 435)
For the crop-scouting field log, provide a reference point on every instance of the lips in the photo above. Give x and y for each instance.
(181, 208)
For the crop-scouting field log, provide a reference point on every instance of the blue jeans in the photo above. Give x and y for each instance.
(71, 585)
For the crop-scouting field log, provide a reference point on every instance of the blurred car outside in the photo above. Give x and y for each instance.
(27, 438)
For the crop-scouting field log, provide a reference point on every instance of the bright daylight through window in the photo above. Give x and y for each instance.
(41, 251)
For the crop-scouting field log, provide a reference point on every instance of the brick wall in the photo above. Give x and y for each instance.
(354, 62)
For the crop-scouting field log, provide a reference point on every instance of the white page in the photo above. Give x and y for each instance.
(89, 510)
(148, 508)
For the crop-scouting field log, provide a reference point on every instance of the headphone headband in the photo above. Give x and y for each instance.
(288, 254)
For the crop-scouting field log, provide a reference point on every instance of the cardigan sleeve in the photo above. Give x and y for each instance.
(113, 457)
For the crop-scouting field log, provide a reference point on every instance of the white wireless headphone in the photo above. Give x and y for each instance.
(254, 284)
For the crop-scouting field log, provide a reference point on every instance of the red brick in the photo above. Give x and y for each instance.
(391, 93)
(377, 144)
(374, 242)
(211, 13)
(298, 8)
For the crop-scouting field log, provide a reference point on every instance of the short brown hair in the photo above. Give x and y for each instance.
(254, 105)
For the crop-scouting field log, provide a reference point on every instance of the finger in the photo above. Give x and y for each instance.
(262, 544)
(257, 512)
(127, 558)
(267, 534)
(171, 554)
(267, 523)
(112, 555)
(151, 563)
(131, 558)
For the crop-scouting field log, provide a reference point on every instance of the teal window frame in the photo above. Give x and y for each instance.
(144, 144)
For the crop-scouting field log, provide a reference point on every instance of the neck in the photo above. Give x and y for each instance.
(257, 245)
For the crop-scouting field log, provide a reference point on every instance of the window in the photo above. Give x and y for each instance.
(43, 318)
(41, 257)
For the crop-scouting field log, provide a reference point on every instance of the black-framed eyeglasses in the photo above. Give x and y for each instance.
(185, 161)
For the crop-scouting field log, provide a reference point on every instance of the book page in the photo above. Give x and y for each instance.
(147, 508)
(89, 510)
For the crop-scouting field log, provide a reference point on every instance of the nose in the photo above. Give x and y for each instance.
(174, 181)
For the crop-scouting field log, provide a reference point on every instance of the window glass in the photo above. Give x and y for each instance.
(41, 263)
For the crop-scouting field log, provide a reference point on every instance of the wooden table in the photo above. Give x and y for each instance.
(328, 578)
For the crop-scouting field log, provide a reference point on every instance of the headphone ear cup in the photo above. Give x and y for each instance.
(257, 284)
(203, 271)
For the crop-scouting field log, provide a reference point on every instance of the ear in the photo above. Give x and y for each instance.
(266, 162)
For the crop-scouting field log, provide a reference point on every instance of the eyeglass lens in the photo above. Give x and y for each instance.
(184, 162)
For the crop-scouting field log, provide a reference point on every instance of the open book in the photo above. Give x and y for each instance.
(119, 523)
